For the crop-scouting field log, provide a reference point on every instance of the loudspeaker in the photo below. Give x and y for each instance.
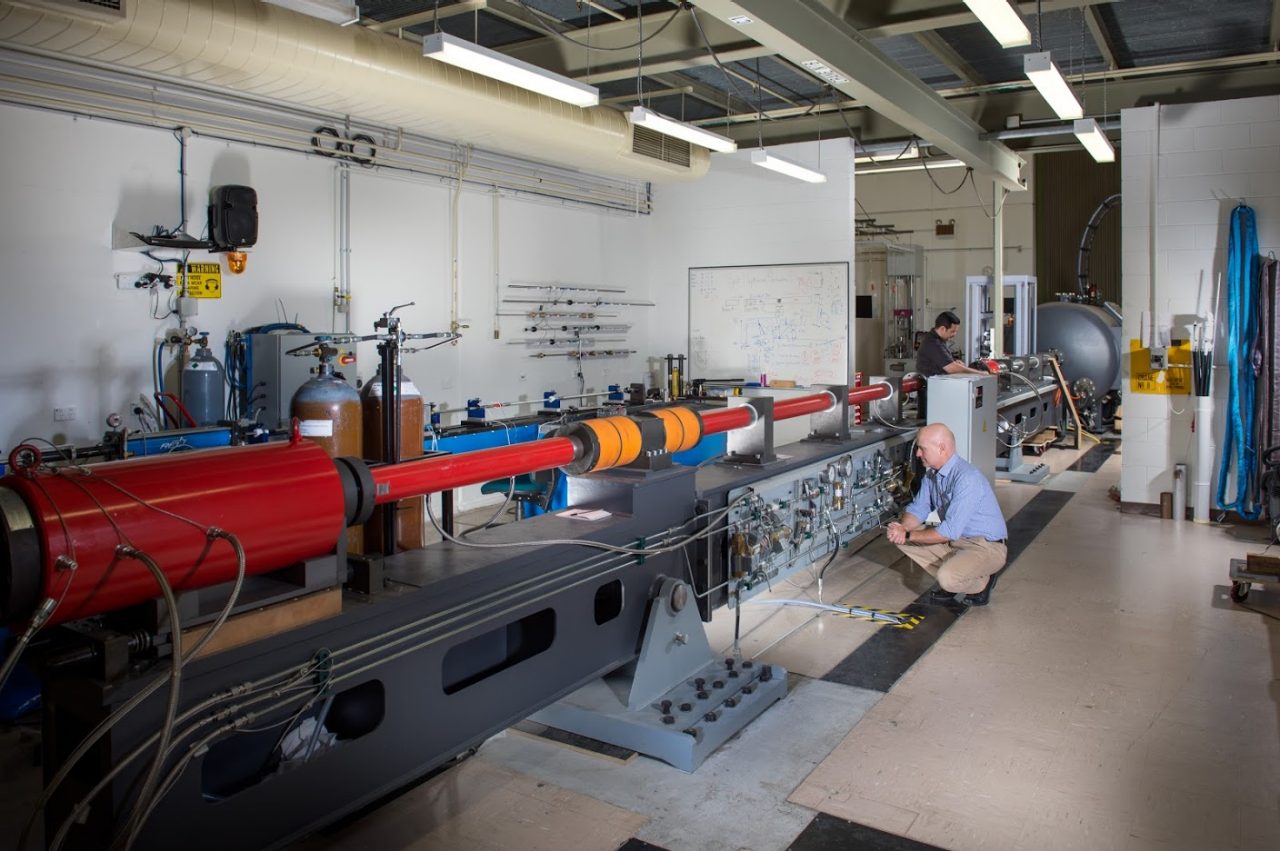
(233, 217)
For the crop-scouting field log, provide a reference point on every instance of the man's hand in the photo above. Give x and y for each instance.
(896, 533)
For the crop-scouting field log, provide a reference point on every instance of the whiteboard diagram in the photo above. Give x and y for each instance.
(785, 321)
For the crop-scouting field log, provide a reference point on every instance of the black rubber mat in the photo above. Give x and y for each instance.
(1097, 455)
(828, 833)
(882, 659)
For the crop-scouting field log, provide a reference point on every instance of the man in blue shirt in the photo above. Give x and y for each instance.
(966, 551)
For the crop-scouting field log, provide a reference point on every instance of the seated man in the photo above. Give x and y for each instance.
(966, 551)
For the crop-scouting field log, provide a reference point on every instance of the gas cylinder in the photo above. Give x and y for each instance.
(328, 413)
(202, 387)
(409, 512)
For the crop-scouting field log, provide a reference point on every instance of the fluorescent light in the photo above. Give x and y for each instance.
(887, 152)
(1094, 140)
(1046, 77)
(741, 20)
(767, 160)
(912, 165)
(644, 117)
(1001, 19)
(333, 11)
(491, 63)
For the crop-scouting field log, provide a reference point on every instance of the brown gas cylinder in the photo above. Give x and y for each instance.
(328, 412)
(409, 512)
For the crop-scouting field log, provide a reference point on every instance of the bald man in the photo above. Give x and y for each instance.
(966, 551)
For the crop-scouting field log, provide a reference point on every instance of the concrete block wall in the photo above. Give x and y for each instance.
(1183, 169)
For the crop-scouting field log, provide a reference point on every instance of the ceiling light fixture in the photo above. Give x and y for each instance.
(334, 11)
(887, 152)
(490, 63)
(642, 116)
(764, 159)
(1046, 77)
(912, 165)
(741, 20)
(1001, 19)
(1094, 140)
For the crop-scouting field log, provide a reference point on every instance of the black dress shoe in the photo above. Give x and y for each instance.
(984, 596)
(940, 596)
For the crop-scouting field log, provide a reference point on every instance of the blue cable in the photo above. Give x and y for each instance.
(1242, 328)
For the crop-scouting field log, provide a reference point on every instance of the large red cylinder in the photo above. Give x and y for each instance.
(283, 501)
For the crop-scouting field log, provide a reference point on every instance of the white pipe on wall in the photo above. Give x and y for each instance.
(1204, 459)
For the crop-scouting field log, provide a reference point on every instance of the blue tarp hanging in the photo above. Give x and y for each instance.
(1243, 265)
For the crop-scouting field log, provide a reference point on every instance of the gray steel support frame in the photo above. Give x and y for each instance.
(677, 703)
(833, 424)
(753, 444)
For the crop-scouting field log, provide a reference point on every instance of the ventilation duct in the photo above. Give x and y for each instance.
(262, 50)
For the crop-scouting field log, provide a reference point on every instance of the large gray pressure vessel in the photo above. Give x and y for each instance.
(202, 388)
(1089, 339)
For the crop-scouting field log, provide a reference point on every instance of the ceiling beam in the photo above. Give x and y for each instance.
(1098, 29)
(807, 33)
(945, 54)
(666, 64)
(464, 8)
(912, 24)
(990, 105)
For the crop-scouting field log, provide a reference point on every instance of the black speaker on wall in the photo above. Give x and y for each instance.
(233, 217)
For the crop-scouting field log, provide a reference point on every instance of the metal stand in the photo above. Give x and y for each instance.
(1014, 468)
(753, 444)
(832, 425)
(677, 702)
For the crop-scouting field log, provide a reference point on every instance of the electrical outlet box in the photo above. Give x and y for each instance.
(62, 415)
(1159, 359)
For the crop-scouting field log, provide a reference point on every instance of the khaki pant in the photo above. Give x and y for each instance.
(960, 566)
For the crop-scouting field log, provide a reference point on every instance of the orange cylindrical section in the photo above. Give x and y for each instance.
(445, 472)
(618, 439)
(683, 428)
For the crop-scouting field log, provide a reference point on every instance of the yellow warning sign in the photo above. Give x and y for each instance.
(1174, 381)
(202, 280)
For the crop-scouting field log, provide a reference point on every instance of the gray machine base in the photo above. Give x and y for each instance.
(599, 711)
(1023, 472)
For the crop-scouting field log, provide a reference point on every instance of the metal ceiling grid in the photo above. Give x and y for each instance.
(1063, 33)
(1156, 32)
(907, 51)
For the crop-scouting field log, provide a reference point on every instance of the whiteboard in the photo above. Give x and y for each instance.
(785, 321)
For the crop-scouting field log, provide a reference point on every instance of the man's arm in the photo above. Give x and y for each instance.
(898, 530)
(957, 368)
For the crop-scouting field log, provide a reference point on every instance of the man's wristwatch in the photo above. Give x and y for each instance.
(908, 538)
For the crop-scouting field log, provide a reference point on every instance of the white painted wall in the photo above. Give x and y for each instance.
(740, 215)
(71, 338)
(1210, 156)
(911, 201)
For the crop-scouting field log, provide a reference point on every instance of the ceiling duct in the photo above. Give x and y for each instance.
(262, 50)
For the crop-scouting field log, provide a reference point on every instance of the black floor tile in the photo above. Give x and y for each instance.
(882, 659)
(1097, 455)
(828, 833)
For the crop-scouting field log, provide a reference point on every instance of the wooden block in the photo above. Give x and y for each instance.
(781, 382)
(1266, 565)
(248, 627)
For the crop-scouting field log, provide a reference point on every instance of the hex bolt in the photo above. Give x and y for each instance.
(731, 701)
(700, 683)
(702, 695)
(666, 707)
(711, 716)
(668, 719)
(718, 684)
(766, 673)
(748, 664)
(728, 663)
(748, 689)
(733, 675)
(686, 707)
